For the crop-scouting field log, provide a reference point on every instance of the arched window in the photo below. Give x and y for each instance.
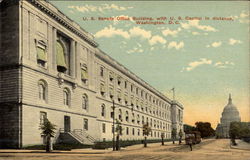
(85, 102)
(66, 97)
(103, 110)
(138, 118)
(60, 57)
(42, 90)
(133, 118)
(120, 115)
(127, 116)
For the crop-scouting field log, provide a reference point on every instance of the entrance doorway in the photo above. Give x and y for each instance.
(67, 123)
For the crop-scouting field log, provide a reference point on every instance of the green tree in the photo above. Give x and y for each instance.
(180, 136)
(205, 129)
(146, 131)
(174, 133)
(48, 131)
(238, 130)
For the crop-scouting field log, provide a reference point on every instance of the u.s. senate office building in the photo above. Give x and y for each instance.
(52, 68)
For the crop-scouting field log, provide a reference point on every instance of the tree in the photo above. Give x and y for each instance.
(173, 133)
(48, 131)
(238, 130)
(118, 130)
(180, 136)
(205, 129)
(188, 128)
(146, 131)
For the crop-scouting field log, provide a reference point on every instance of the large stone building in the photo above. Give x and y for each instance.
(52, 68)
(229, 114)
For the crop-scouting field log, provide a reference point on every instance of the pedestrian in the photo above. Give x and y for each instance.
(190, 143)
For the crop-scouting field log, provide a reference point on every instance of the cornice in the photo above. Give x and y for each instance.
(110, 61)
(62, 19)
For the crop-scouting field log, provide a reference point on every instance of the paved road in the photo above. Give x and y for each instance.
(207, 150)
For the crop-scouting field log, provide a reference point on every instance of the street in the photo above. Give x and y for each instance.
(208, 150)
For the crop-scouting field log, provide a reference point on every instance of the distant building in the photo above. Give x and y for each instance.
(52, 68)
(229, 114)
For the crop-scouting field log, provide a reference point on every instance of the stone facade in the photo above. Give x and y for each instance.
(51, 67)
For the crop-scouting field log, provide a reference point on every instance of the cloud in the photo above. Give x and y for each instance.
(111, 31)
(204, 61)
(101, 8)
(157, 39)
(195, 33)
(195, 64)
(225, 64)
(232, 41)
(173, 33)
(137, 31)
(135, 50)
(175, 45)
(214, 44)
(243, 17)
(195, 24)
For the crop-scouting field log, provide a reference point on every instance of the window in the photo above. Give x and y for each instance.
(62, 54)
(66, 97)
(127, 130)
(111, 76)
(85, 124)
(84, 102)
(142, 119)
(112, 114)
(137, 91)
(84, 73)
(102, 89)
(125, 84)
(119, 81)
(103, 128)
(133, 118)
(111, 93)
(131, 88)
(101, 71)
(138, 119)
(127, 116)
(42, 89)
(138, 132)
(41, 53)
(119, 96)
(120, 115)
(133, 131)
(103, 110)
(43, 116)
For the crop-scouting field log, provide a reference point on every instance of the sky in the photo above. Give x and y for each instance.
(202, 56)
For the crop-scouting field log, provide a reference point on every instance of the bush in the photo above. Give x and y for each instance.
(125, 143)
(66, 147)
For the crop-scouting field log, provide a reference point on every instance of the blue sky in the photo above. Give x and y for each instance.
(204, 60)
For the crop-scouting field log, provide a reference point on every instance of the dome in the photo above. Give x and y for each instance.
(230, 113)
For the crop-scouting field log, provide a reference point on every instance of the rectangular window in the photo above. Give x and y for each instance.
(103, 128)
(85, 124)
(101, 72)
(43, 116)
(127, 131)
(125, 84)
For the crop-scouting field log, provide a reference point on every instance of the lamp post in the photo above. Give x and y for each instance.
(113, 129)
(113, 108)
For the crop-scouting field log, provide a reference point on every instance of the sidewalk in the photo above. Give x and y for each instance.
(85, 150)
(241, 145)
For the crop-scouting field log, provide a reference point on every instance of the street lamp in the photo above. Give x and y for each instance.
(113, 129)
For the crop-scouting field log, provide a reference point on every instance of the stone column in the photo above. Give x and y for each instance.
(54, 40)
(72, 58)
